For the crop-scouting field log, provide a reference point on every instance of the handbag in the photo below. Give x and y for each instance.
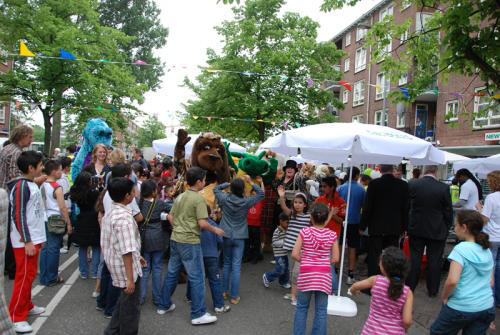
(55, 223)
(290, 194)
(142, 231)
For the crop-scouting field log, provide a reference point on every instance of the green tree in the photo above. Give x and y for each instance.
(151, 130)
(274, 55)
(139, 19)
(76, 87)
(38, 133)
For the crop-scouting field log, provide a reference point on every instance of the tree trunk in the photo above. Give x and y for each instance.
(262, 132)
(48, 128)
(56, 131)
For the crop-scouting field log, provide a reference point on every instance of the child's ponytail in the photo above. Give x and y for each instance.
(396, 268)
(474, 223)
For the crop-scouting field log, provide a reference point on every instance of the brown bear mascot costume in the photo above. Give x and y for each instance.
(209, 153)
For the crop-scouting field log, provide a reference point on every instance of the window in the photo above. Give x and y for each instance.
(404, 36)
(452, 110)
(403, 80)
(360, 33)
(400, 120)
(381, 118)
(358, 118)
(405, 4)
(359, 93)
(347, 64)
(387, 11)
(348, 39)
(360, 62)
(345, 96)
(382, 87)
(3, 106)
(420, 21)
(487, 113)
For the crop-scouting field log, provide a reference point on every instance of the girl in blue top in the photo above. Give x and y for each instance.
(467, 293)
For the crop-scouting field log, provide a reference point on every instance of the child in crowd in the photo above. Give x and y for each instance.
(121, 246)
(392, 301)
(235, 206)
(253, 252)
(281, 270)
(468, 303)
(154, 238)
(58, 216)
(316, 249)
(65, 183)
(210, 248)
(27, 236)
(299, 219)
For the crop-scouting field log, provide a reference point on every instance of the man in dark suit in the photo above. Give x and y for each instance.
(385, 214)
(431, 217)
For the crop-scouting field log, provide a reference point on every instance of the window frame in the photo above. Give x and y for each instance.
(345, 96)
(421, 17)
(383, 12)
(358, 89)
(403, 82)
(359, 118)
(3, 112)
(358, 68)
(405, 4)
(360, 33)
(489, 117)
(384, 117)
(347, 39)
(455, 117)
(399, 118)
(347, 64)
(386, 86)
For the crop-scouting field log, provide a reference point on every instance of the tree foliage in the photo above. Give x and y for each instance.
(151, 130)
(38, 133)
(80, 89)
(283, 51)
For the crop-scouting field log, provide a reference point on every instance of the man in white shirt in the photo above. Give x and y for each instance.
(470, 193)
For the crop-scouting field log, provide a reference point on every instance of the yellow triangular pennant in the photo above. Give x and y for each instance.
(24, 51)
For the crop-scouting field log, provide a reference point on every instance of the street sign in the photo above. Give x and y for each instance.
(492, 136)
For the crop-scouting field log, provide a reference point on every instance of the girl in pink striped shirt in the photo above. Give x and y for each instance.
(392, 301)
(316, 249)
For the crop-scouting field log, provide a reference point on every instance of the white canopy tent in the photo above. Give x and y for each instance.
(353, 143)
(167, 145)
(450, 157)
(479, 166)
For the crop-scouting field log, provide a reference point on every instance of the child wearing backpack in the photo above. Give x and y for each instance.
(392, 301)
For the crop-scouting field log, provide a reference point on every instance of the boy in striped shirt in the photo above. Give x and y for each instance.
(280, 256)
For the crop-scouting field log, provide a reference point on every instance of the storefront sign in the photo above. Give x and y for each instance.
(492, 136)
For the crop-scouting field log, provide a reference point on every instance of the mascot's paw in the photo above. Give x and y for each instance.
(182, 138)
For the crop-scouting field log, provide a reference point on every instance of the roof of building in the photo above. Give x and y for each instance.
(361, 19)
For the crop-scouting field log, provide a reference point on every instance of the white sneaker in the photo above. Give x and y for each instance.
(350, 280)
(204, 319)
(64, 250)
(163, 311)
(37, 310)
(265, 281)
(287, 285)
(95, 294)
(222, 309)
(22, 327)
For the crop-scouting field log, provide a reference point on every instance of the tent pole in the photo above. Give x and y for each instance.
(346, 222)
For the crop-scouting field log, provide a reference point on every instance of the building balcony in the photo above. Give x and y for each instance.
(429, 94)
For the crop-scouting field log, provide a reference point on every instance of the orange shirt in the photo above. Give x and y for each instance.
(337, 202)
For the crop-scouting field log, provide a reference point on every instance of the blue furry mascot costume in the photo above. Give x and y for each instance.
(96, 131)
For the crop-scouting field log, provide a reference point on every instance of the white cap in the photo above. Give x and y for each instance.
(337, 173)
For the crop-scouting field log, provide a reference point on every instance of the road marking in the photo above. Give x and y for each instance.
(37, 324)
(35, 290)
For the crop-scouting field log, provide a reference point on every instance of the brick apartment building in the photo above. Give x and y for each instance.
(424, 118)
(5, 66)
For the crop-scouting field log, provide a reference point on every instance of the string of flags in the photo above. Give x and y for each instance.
(286, 124)
(24, 51)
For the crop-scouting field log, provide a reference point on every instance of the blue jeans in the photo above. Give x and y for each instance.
(320, 318)
(335, 281)
(495, 251)
(108, 297)
(191, 257)
(84, 265)
(450, 321)
(154, 264)
(280, 271)
(49, 258)
(233, 254)
(214, 281)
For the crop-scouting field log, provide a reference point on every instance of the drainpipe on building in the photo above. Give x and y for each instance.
(369, 78)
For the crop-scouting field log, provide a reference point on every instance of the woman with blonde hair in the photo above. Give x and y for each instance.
(99, 166)
(491, 218)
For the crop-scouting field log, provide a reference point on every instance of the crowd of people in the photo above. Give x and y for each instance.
(128, 217)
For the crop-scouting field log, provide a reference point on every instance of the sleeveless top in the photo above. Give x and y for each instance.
(51, 205)
(315, 264)
(295, 225)
(386, 315)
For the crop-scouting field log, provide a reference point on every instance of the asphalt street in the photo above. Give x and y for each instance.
(71, 309)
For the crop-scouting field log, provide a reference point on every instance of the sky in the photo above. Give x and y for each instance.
(191, 23)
